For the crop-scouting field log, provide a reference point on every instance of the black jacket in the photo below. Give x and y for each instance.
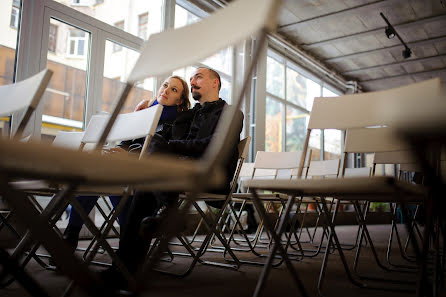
(190, 134)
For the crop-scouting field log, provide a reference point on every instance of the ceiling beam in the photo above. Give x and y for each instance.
(400, 63)
(434, 71)
(340, 13)
(399, 26)
(384, 49)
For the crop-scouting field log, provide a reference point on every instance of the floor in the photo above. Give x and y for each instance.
(206, 280)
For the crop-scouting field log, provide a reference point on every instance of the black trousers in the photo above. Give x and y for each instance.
(132, 247)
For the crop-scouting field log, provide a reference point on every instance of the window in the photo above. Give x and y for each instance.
(77, 43)
(143, 20)
(112, 11)
(117, 47)
(221, 61)
(15, 14)
(52, 38)
(288, 104)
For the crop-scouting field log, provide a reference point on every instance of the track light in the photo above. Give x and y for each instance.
(391, 33)
(406, 53)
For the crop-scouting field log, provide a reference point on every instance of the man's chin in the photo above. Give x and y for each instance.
(196, 96)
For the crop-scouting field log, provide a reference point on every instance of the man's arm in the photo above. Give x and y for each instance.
(196, 147)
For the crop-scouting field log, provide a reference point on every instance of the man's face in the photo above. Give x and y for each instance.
(201, 83)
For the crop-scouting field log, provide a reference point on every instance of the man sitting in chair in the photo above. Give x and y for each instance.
(197, 127)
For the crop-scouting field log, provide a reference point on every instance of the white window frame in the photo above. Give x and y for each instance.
(33, 42)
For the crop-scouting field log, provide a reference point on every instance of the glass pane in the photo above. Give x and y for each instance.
(225, 91)
(221, 61)
(113, 11)
(296, 129)
(275, 77)
(327, 93)
(8, 46)
(274, 125)
(64, 99)
(332, 144)
(315, 144)
(117, 66)
(80, 47)
(186, 73)
(183, 17)
(312, 90)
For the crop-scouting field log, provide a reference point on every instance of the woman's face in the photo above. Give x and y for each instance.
(169, 94)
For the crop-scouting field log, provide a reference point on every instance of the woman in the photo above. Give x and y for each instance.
(174, 96)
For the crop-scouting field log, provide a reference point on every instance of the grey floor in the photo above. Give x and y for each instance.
(208, 280)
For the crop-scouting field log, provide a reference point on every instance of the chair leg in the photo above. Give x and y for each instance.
(276, 247)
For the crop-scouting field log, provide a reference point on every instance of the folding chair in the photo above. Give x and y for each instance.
(248, 17)
(21, 96)
(278, 165)
(422, 126)
(349, 111)
(212, 223)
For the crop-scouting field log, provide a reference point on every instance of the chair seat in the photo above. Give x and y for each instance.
(379, 189)
(30, 160)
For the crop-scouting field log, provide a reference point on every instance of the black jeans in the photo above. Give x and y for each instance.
(132, 247)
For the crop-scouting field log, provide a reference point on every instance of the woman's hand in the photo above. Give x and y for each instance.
(142, 105)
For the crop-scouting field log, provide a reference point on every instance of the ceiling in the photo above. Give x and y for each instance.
(347, 37)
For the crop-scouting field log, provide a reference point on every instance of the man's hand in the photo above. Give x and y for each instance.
(142, 105)
(114, 150)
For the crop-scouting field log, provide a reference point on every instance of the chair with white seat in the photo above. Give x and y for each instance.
(156, 172)
(213, 222)
(23, 96)
(354, 111)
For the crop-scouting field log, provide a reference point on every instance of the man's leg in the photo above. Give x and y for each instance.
(132, 247)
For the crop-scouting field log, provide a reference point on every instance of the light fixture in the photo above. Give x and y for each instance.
(391, 33)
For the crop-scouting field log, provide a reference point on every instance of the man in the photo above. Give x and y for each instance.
(188, 137)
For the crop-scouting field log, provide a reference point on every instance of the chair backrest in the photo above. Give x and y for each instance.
(248, 18)
(366, 109)
(66, 139)
(243, 148)
(128, 126)
(323, 169)
(275, 164)
(357, 172)
(25, 94)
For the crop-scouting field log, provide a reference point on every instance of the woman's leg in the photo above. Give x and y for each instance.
(75, 222)
(122, 216)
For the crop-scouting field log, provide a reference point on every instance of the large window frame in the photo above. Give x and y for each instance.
(36, 44)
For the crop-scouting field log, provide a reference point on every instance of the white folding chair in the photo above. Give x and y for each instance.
(23, 96)
(352, 111)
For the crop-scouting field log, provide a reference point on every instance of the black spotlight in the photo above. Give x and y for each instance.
(406, 53)
(390, 32)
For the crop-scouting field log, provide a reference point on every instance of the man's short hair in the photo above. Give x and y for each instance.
(214, 74)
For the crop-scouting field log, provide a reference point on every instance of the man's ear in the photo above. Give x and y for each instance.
(215, 84)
